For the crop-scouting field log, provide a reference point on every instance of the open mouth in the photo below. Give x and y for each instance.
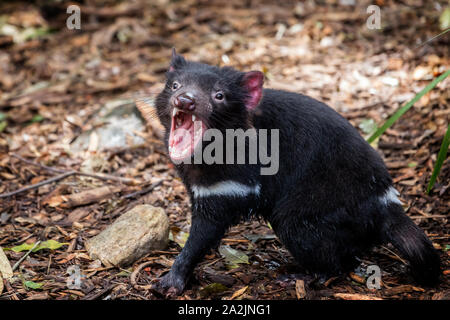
(186, 133)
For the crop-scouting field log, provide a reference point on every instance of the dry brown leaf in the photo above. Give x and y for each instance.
(357, 278)
(5, 267)
(54, 201)
(300, 289)
(238, 293)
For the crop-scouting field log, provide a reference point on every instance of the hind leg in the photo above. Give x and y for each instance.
(325, 244)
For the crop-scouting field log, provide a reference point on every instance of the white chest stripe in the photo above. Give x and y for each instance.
(390, 196)
(225, 188)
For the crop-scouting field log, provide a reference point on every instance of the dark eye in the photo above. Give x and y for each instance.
(219, 96)
(175, 85)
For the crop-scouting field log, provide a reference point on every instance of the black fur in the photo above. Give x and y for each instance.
(323, 204)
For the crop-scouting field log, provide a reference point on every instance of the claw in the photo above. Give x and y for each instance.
(168, 286)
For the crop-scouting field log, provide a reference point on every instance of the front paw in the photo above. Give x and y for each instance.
(170, 284)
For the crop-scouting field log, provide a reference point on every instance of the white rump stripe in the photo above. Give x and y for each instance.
(225, 188)
(391, 195)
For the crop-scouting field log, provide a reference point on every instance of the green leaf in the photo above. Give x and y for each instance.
(52, 245)
(178, 236)
(33, 33)
(21, 35)
(412, 164)
(257, 237)
(444, 19)
(212, 289)
(406, 107)
(368, 126)
(49, 244)
(3, 125)
(3, 116)
(233, 257)
(440, 159)
(124, 273)
(22, 247)
(32, 285)
(37, 118)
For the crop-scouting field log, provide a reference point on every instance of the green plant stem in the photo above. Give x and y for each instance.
(440, 159)
(389, 122)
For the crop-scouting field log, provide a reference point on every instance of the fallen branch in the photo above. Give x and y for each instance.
(82, 198)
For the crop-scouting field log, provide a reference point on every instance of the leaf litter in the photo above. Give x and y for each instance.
(59, 87)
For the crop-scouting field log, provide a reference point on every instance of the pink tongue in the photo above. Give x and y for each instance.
(181, 141)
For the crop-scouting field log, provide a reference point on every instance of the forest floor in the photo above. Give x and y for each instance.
(56, 82)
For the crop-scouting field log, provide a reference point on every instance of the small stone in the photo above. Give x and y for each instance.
(5, 267)
(137, 232)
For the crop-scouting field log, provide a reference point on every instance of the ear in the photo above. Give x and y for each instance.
(176, 62)
(253, 84)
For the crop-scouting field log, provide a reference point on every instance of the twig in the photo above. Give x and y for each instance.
(165, 252)
(37, 164)
(25, 256)
(395, 255)
(39, 184)
(143, 191)
(98, 294)
(64, 174)
(431, 39)
(213, 262)
(106, 177)
(100, 176)
(433, 216)
(136, 272)
(355, 296)
(11, 290)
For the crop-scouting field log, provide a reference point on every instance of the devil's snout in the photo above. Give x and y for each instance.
(185, 101)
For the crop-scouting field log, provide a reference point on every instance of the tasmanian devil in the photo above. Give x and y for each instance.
(329, 199)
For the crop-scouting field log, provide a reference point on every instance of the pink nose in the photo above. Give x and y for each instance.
(185, 101)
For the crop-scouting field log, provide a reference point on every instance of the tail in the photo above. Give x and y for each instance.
(413, 245)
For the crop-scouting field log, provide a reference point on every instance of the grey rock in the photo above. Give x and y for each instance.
(116, 124)
(134, 234)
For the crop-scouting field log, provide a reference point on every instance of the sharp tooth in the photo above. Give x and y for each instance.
(174, 112)
(193, 118)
